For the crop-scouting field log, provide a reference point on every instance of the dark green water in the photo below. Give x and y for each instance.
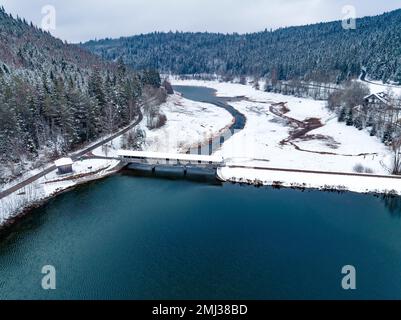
(145, 238)
(130, 237)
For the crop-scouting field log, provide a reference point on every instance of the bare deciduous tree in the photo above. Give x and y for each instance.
(396, 146)
(110, 118)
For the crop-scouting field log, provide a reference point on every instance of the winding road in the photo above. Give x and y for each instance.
(240, 123)
(75, 156)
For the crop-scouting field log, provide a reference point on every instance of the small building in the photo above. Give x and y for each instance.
(64, 165)
(379, 101)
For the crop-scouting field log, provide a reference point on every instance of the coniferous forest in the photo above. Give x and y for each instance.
(323, 52)
(54, 96)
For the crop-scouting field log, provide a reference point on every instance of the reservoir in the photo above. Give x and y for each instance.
(131, 237)
(136, 237)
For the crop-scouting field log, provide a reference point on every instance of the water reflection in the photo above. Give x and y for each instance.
(393, 205)
(193, 174)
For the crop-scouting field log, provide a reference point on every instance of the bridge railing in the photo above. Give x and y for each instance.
(170, 162)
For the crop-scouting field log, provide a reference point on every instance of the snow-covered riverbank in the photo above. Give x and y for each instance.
(188, 123)
(52, 184)
(268, 139)
(321, 181)
(280, 132)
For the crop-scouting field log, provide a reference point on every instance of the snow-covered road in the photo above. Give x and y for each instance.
(301, 136)
(188, 123)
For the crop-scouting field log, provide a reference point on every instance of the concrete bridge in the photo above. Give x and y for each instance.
(156, 161)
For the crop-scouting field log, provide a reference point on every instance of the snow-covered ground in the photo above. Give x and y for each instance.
(361, 184)
(188, 123)
(267, 140)
(334, 147)
(52, 184)
(378, 86)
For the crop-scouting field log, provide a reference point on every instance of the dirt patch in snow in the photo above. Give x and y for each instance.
(328, 141)
(300, 130)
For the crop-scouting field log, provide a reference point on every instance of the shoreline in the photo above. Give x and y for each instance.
(81, 179)
(210, 139)
(228, 128)
(23, 212)
(301, 187)
(263, 177)
(321, 181)
(257, 183)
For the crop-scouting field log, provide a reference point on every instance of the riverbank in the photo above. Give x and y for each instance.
(279, 178)
(188, 123)
(75, 181)
(276, 132)
(251, 238)
(292, 133)
(52, 184)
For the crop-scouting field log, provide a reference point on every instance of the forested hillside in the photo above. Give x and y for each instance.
(320, 52)
(55, 96)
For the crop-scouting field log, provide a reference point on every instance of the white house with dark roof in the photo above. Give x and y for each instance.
(382, 108)
(380, 99)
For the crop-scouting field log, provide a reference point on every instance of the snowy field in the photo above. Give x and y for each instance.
(378, 86)
(280, 132)
(332, 147)
(189, 123)
(268, 140)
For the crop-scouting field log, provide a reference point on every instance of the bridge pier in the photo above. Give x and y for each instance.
(183, 164)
